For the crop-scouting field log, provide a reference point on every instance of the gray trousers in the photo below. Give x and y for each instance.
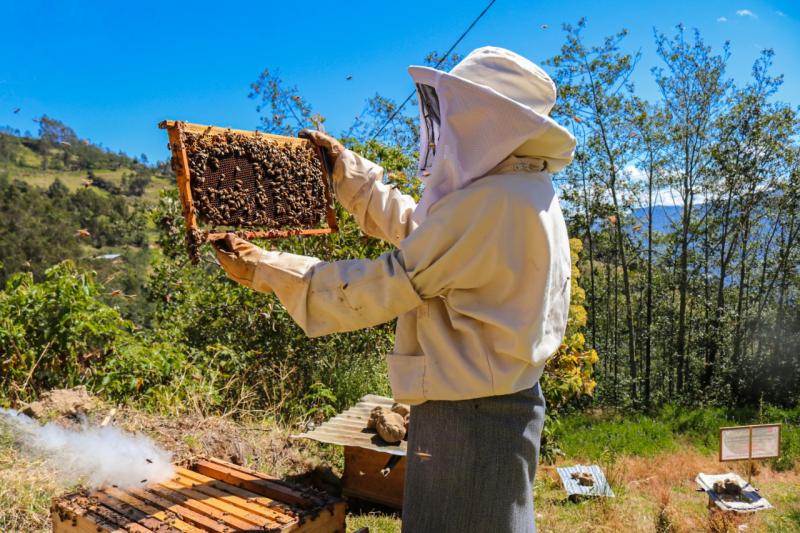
(471, 464)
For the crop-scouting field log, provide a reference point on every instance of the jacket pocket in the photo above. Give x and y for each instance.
(407, 377)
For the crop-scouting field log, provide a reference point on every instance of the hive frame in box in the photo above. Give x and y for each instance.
(208, 495)
(175, 131)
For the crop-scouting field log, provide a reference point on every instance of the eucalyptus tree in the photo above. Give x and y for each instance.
(754, 161)
(693, 87)
(594, 85)
(647, 127)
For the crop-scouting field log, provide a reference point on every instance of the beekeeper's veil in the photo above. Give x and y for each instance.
(493, 104)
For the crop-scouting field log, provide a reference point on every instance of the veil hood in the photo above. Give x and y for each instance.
(491, 105)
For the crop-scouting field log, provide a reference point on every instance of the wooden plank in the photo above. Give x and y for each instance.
(195, 502)
(133, 514)
(90, 505)
(273, 233)
(79, 520)
(362, 477)
(181, 168)
(272, 509)
(327, 517)
(201, 506)
(236, 501)
(330, 520)
(190, 127)
(169, 518)
(186, 514)
(254, 482)
(223, 506)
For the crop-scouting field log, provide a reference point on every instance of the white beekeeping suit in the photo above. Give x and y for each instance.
(479, 281)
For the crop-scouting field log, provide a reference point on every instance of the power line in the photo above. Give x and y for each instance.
(438, 64)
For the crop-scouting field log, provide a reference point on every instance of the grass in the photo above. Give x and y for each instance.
(657, 493)
(26, 487)
(377, 523)
(650, 461)
(598, 435)
(74, 179)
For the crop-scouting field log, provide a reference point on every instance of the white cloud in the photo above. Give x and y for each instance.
(722, 19)
(780, 13)
(634, 173)
(746, 13)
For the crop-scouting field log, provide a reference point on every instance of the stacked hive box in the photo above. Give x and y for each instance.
(208, 495)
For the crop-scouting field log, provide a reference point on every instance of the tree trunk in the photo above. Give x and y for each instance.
(683, 280)
(649, 321)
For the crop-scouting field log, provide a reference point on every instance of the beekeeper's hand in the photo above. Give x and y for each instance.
(331, 147)
(239, 258)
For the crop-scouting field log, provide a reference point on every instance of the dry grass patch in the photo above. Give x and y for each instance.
(26, 488)
(659, 494)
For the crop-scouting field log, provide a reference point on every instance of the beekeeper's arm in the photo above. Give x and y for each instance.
(453, 249)
(380, 210)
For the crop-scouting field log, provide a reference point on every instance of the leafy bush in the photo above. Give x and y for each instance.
(568, 374)
(54, 333)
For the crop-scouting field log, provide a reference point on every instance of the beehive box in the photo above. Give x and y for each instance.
(374, 471)
(207, 495)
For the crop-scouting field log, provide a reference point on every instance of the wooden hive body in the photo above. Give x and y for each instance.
(208, 495)
(374, 471)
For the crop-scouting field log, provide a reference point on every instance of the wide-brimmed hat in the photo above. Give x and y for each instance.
(493, 104)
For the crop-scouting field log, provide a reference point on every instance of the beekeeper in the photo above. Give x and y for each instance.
(479, 284)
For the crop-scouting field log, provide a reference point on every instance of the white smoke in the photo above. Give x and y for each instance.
(93, 455)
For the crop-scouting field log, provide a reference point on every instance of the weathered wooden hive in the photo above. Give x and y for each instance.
(374, 471)
(207, 495)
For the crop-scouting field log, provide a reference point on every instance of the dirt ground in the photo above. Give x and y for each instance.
(653, 494)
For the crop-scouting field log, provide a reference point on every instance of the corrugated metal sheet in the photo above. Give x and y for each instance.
(755, 502)
(600, 487)
(350, 428)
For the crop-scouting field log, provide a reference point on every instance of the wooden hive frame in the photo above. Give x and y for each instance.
(208, 495)
(175, 131)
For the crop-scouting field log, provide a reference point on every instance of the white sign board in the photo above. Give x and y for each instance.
(766, 441)
(749, 442)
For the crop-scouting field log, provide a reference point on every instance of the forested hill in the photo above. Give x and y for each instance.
(63, 197)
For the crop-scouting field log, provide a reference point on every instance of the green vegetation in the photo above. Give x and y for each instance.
(596, 437)
(683, 320)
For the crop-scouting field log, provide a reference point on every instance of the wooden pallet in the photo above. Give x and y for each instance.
(208, 495)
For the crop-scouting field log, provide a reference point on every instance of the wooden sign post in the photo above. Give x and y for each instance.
(740, 443)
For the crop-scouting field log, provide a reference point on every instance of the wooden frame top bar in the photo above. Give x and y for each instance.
(189, 127)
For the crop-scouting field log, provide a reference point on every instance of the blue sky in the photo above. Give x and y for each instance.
(112, 70)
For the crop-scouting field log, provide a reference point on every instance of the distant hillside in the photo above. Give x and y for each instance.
(62, 197)
(58, 153)
(663, 216)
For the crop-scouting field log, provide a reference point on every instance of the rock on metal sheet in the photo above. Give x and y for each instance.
(349, 428)
(755, 502)
(600, 487)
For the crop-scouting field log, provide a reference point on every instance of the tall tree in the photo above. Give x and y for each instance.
(693, 87)
(594, 86)
(648, 123)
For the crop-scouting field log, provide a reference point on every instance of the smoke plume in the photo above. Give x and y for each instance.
(93, 455)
